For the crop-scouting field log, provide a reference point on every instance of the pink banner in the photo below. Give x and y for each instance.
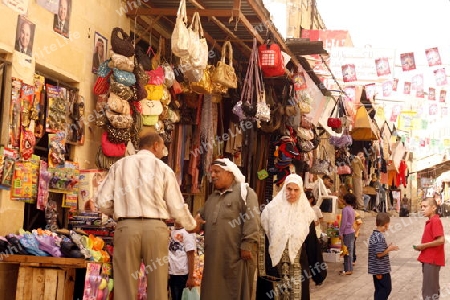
(433, 57)
(441, 78)
(382, 65)
(442, 96)
(348, 73)
(433, 108)
(395, 84)
(408, 62)
(431, 94)
(417, 82)
(387, 88)
(407, 88)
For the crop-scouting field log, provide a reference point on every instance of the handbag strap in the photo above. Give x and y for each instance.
(249, 86)
(196, 25)
(227, 45)
(181, 13)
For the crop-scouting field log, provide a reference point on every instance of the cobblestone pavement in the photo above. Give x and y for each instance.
(406, 270)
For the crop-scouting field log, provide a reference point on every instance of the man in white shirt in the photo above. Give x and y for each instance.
(141, 192)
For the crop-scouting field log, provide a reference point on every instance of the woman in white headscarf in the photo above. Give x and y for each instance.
(287, 222)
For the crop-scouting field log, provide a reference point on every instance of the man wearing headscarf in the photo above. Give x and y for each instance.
(232, 222)
(287, 223)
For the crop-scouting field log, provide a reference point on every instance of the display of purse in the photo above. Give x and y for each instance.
(321, 166)
(124, 92)
(204, 86)
(112, 149)
(121, 45)
(271, 60)
(119, 121)
(154, 92)
(124, 77)
(169, 74)
(224, 73)
(151, 107)
(121, 62)
(118, 135)
(343, 169)
(305, 134)
(102, 84)
(180, 40)
(118, 105)
(156, 77)
(198, 49)
(104, 69)
(105, 162)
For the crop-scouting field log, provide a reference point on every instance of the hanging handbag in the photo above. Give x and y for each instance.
(121, 62)
(271, 60)
(102, 84)
(124, 77)
(305, 134)
(156, 77)
(180, 40)
(118, 135)
(121, 45)
(112, 149)
(104, 68)
(321, 166)
(198, 50)
(169, 74)
(224, 73)
(124, 92)
(154, 92)
(115, 103)
(204, 86)
(105, 162)
(118, 120)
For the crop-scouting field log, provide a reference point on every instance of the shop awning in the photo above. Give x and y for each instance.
(237, 21)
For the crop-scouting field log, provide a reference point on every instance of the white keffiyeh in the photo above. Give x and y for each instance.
(230, 166)
(285, 222)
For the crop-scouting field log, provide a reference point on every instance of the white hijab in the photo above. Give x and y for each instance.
(230, 166)
(286, 222)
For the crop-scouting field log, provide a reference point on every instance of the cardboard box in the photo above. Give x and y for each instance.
(332, 257)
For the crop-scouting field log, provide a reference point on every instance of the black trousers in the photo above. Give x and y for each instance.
(177, 284)
(383, 286)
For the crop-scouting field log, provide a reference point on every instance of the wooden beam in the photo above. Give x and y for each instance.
(149, 27)
(250, 27)
(236, 7)
(173, 12)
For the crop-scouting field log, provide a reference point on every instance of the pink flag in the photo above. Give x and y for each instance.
(433, 56)
(431, 93)
(442, 96)
(420, 94)
(417, 82)
(370, 90)
(395, 112)
(395, 84)
(444, 111)
(407, 88)
(433, 109)
(441, 78)
(387, 88)
(382, 66)
(408, 62)
(348, 73)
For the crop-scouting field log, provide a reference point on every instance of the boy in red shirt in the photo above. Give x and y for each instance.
(431, 249)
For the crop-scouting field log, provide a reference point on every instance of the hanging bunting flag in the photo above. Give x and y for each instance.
(382, 66)
(441, 78)
(432, 110)
(433, 57)
(408, 62)
(395, 84)
(442, 96)
(370, 90)
(395, 112)
(420, 94)
(348, 73)
(299, 81)
(417, 82)
(387, 88)
(444, 111)
(431, 94)
(407, 88)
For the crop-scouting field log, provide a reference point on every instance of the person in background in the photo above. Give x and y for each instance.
(231, 218)
(140, 191)
(438, 198)
(287, 221)
(317, 211)
(357, 226)
(431, 247)
(347, 232)
(182, 247)
(379, 265)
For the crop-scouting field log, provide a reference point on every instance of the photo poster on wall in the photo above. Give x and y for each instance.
(61, 19)
(50, 5)
(90, 180)
(100, 51)
(20, 6)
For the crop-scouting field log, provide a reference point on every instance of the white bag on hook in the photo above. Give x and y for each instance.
(180, 40)
(198, 50)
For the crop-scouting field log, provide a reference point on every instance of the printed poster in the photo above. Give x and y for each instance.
(395, 84)
(349, 73)
(90, 180)
(442, 96)
(407, 88)
(382, 66)
(431, 94)
(20, 6)
(50, 5)
(387, 88)
(440, 76)
(433, 57)
(407, 61)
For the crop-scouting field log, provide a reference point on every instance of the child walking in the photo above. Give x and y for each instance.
(378, 258)
(347, 232)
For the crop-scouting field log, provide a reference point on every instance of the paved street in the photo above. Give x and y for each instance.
(406, 270)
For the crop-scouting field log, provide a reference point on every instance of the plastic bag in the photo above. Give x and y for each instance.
(190, 294)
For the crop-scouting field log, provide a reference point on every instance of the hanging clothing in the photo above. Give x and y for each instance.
(400, 177)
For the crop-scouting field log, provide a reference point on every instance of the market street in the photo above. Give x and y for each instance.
(406, 270)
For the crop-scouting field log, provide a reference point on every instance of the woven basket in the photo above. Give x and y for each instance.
(121, 45)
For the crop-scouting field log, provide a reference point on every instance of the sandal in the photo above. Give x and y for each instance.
(345, 273)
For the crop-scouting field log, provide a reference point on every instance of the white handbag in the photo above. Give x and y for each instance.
(198, 50)
(180, 40)
(169, 74)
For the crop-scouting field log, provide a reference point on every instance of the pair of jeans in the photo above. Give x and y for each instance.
(177, 284)
(349, 240)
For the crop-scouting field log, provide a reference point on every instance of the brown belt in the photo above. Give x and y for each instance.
(140, 218)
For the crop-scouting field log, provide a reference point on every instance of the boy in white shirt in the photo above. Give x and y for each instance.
(182, 247)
